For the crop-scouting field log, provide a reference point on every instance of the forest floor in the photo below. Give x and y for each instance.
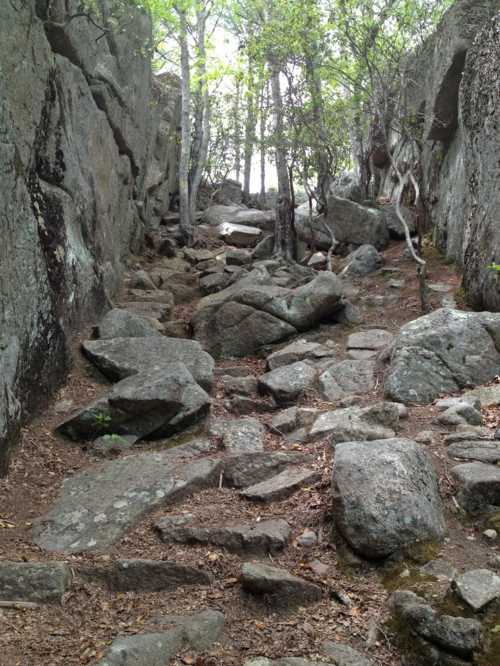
(78, 631)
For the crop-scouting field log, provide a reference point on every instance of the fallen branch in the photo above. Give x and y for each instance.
(19, 605)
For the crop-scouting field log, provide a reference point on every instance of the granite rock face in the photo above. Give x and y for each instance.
(84, 152)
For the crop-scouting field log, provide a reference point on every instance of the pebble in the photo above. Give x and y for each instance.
(307, 539)
(490, 534)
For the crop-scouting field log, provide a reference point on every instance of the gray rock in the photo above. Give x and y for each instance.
(238, 257)
(478, 587)
(361, 354)
(141, 280)
(109, 446)
(455, 635)
(386, 496)
(220, 214)
(267, 536)
(344, 655)
(123, 357)
(394, 224)
(445, 403)
(241, 385)
(425, 437)
(97, 506)
(486, 451)
(197, 632)
(154, 402)
(123, 324)
(240, 435)
(375, 339)
(263, 249)
(240, 235)
(347, 378)
(460, 413)
(307, 538)
(486, 395)
(144, 575)
(243, 404)
(289, 382)
(281, 486)
(213, 282)
(363, 261)
(357, 224)
(286, 420)
(34, 581)
(245, 470)
(357, 423)
(440, 569)
(300, 350)
(278, 585)
(478, 486)
(153, 311)
(443, 352)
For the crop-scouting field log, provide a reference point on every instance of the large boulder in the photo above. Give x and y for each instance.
(219, 214)
(443, 352)
(251, 313)
(364, 260)
(386, 496)
(119, 323)
(241, 235)
(357, 225)
(347, 186)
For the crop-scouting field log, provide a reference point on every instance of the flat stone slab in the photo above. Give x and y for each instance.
(299, 350)
(287, 383)
(240, 435)
(240, 235)
(478, 486)
(145, 575)
(277, 584)
(487, 451)
(245, 470)
(357, 423)
(97, 506)
(375, 339)
(119, 323)
(344, 655)
(34, 581)
(268, 536)
(347, 378)
(478, 587)
(487, 395)
(122, 357)
(197, 632)
(280, 486)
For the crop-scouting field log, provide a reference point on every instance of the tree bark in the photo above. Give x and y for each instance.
(184, 203)
(249, 136)
(264, 103)
(237, 131)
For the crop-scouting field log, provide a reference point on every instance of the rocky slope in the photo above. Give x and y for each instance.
(87, 162)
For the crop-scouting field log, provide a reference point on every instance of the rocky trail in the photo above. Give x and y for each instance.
(176, 504)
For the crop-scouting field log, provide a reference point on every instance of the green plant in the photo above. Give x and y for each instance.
(102, 419)
(494, 267)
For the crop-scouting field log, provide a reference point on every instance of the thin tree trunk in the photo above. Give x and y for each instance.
(184, 207)
(249, 136)
(237, 131)
(264, 103)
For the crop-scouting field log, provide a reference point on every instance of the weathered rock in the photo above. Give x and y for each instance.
(123, 357)
(363, 261)
(486, 395)
(217, 215)
(478, 486)
(123, 324)
(286, 420)
(386, 496)
(455, 635)
(198, 632)
(267, 536)
(478, 587)
(445, 403)
(375, 339)
(300, 350)
(34, 581)
(251, 313)
(239, 234)
(281, 486)
(278, 585)
(357, 224)
(486, 451)
(357, 423)
(154, 402)
(440, 569)
(213, 282)
(144, 575)
(109, 446)
(288, 382)
(344, 655)
(245, 470)
(141, 280)
(240, 435)
(240, 385)
(243, 404)
(443, 352)
(347, 378)
(238, 257)
(394, 224)
(263, 249)
(153, 311)
(460, 413)
(96, 506)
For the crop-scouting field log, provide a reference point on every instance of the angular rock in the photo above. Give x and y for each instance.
(240, 235)
(386, 496)
(34, 581)
(238, 257)
(243, 404)
(216, 215)
(244, 470)
(443, 352)
(123, 357)
(278, 585)
(460, 413)
(123, 324)
(281, 486)
(445, 403)
(393, 222)
(363, 261)
(286, 420)
(289, 382)
(486, 451)
(486, 395)
(240, 435)
(213, 282)
(455, 635)
(141, 280)
(478, 587)
(152, 311)
(347, 378)
(374, 339)
(96, 507)
(300, 350)
(109, 446)
(357, 224)
(357, 423)
(144, 575)
(198, 632)
(344, 655)
(155, 402)
(267, 536)
(240, 385)
(478, 486)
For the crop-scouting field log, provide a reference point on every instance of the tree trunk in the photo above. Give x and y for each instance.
(184, 207)
(264, 103)
(283, 240)
(249, 135)
(237, 131)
